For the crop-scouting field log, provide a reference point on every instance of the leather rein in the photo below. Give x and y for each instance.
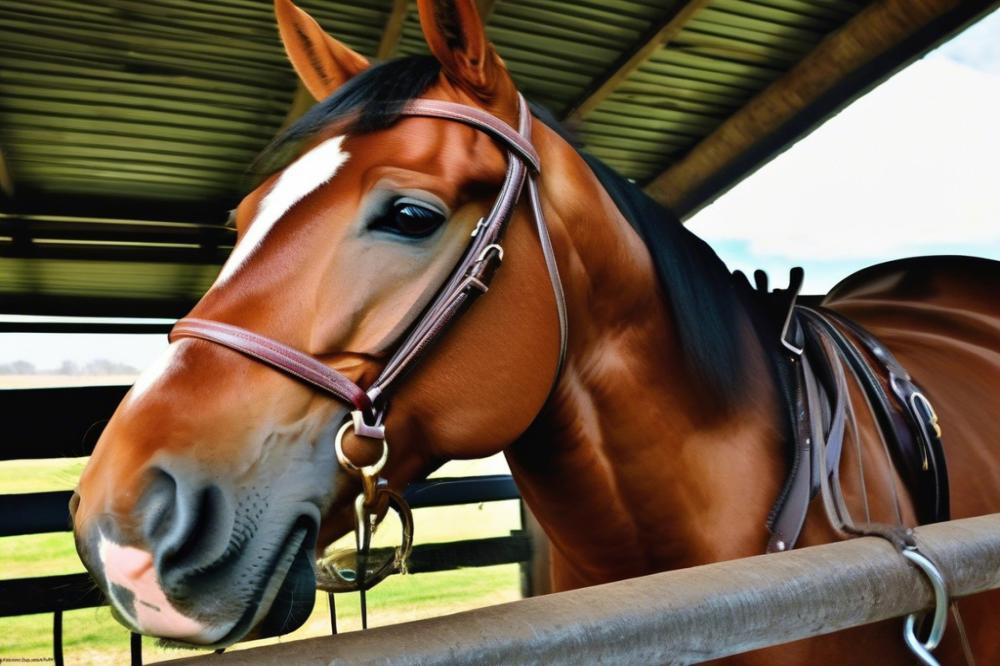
(823, 349)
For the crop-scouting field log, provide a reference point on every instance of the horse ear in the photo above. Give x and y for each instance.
(457, 38)
(322, 62)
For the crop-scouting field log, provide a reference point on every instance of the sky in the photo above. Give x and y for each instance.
(911, 168)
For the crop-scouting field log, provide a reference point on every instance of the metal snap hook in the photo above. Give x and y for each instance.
(940, 619)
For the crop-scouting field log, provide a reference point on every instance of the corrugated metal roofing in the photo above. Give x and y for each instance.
(118, 112)
(726, 53)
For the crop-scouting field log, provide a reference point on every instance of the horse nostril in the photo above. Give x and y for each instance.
(198, 522)
(158, 506)
(186, 524)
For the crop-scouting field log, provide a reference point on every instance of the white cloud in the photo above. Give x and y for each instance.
(913, 165)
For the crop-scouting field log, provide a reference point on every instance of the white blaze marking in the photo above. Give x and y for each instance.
(299, 179)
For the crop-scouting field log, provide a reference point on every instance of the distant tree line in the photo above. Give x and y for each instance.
(99, 366)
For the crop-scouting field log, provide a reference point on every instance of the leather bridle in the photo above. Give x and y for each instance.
(469, 280)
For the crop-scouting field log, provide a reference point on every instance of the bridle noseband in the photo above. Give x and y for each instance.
(470, 279)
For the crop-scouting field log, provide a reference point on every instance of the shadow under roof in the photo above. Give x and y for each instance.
(126, 126)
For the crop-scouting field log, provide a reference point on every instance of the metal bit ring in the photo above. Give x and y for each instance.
(370, 471)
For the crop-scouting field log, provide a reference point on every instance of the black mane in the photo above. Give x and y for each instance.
(703, 300)
(370, 101)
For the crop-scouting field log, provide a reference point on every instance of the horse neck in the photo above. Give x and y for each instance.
(625, 469)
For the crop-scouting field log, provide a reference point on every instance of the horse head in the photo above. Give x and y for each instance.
(216, 481)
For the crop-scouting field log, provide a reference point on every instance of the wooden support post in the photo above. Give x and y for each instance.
(302, 101)
(486, 8)
(678, 617)
(875, 30)
(393, 30)
(536, 573)
(6, 179)
(621, 70)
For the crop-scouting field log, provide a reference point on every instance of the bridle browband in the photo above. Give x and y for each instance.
(470, 279)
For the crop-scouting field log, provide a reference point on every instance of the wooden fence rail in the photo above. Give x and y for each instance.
(677, 617)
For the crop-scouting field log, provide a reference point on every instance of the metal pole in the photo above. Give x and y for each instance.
(682, 616)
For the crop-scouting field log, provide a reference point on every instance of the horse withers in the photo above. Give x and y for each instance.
(659, 442)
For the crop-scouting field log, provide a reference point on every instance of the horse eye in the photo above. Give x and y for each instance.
(409, 219)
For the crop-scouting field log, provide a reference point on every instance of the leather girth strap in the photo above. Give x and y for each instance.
(824, 348)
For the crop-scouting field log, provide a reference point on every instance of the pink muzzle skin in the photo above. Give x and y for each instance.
(132, 569)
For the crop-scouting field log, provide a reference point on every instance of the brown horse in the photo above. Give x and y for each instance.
(660, 444)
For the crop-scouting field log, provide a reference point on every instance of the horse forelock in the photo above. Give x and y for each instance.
(370, 101)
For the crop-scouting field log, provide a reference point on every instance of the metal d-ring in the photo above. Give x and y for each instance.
(366, 471)
(917, 396)
(922, 649)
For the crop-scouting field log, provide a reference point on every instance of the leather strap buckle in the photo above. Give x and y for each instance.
(480, 273)
(472, 282)
(791, 333)
(485, 253)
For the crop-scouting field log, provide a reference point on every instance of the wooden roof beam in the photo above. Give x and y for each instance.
(652, 42)
(846, 64)
(393, 30)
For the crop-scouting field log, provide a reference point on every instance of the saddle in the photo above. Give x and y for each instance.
(820, 350)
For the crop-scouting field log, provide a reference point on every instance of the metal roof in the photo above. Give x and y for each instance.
(126, 125)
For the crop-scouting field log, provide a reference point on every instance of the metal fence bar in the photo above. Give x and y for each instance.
(47, 594)
(57, 638)
(38, 513)
(677, 617)
(35, 513)
(31, 431)
(135, 649)
(144, 328)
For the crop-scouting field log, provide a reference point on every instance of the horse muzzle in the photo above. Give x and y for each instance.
(202, 565)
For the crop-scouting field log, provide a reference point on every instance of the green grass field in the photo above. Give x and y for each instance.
(91, 636)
